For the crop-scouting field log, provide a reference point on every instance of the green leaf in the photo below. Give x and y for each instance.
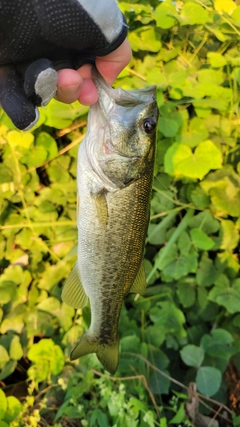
(98, 419)
(159, 384)
(180, 161)
(206, 222)
(181, 266)
(146, 38)
(206, 273)
(229, 235)
(193, 13)
(53, 274)
(6, 174)
(169, 317)
(200, 198)
(15, 350)
(14, 407)
(8, 369)
(236, 14)
(102, 419)
(228, 297)
(226, 199)
(35, 157)
(7, 291)
(155, 336)
(48, 143)
(216, 59)
(193, 134)
(200, 239)
(50, 305)
(184, 243)
(3, 404)
(130, 344)
(22, 139)
(208, 380)
(168, 127)
(177, 78)
(162, 201)
(165, 13)
(192, 355)
(186, 293)
(180, 415)
(60, 115)
(160, 260)
(210, 77)
(218, 344)
(4, 357)
(48, 358)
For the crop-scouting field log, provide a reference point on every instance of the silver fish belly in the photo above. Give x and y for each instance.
(115, 171)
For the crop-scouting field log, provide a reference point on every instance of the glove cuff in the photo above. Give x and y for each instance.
(116, 43)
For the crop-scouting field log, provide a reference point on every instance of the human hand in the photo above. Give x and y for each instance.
(78, 85)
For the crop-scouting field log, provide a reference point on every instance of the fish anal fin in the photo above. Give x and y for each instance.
(106, 354)
(73, 293)
(139, 284)
(101, 208)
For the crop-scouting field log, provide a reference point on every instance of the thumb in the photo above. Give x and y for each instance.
(111, 65)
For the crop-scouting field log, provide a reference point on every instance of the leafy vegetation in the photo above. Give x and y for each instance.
(186, 329)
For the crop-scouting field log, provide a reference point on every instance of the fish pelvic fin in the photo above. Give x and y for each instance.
(101, 208)
(107, 354)
(140, 283)
(73, 293)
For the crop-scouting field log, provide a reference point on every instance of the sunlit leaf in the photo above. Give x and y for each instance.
(193, 13)
(165, 15)
(180, 161)
(22, 139)
(227, 6)
(3, 404)
(14, 407)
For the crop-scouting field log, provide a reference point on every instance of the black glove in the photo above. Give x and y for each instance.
(40, 37)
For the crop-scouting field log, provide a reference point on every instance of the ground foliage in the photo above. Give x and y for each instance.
(187, 326)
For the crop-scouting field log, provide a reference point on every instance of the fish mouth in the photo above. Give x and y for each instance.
(109, 96)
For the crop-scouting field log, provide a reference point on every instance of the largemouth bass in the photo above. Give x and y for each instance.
(115, 172)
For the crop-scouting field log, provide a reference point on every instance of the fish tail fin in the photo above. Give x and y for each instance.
(106, 354)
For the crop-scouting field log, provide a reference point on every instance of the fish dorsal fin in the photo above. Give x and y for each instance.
(101, 208)
(73, 293)
(139, 284)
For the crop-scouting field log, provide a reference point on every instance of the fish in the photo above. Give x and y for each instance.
(114, 181)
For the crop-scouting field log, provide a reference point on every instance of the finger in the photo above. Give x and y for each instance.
(69, 86)
(89, 94)
(14, 100)
(111, 65)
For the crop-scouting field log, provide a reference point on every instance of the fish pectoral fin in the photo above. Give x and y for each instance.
(73, 293)
(139, 285)
(101, 208)
(106, 354)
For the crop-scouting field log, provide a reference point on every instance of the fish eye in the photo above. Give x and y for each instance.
(149, 125)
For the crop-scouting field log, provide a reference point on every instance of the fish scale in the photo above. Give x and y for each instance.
(115, 172)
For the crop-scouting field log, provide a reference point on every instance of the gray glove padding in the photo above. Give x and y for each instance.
(40, 37)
